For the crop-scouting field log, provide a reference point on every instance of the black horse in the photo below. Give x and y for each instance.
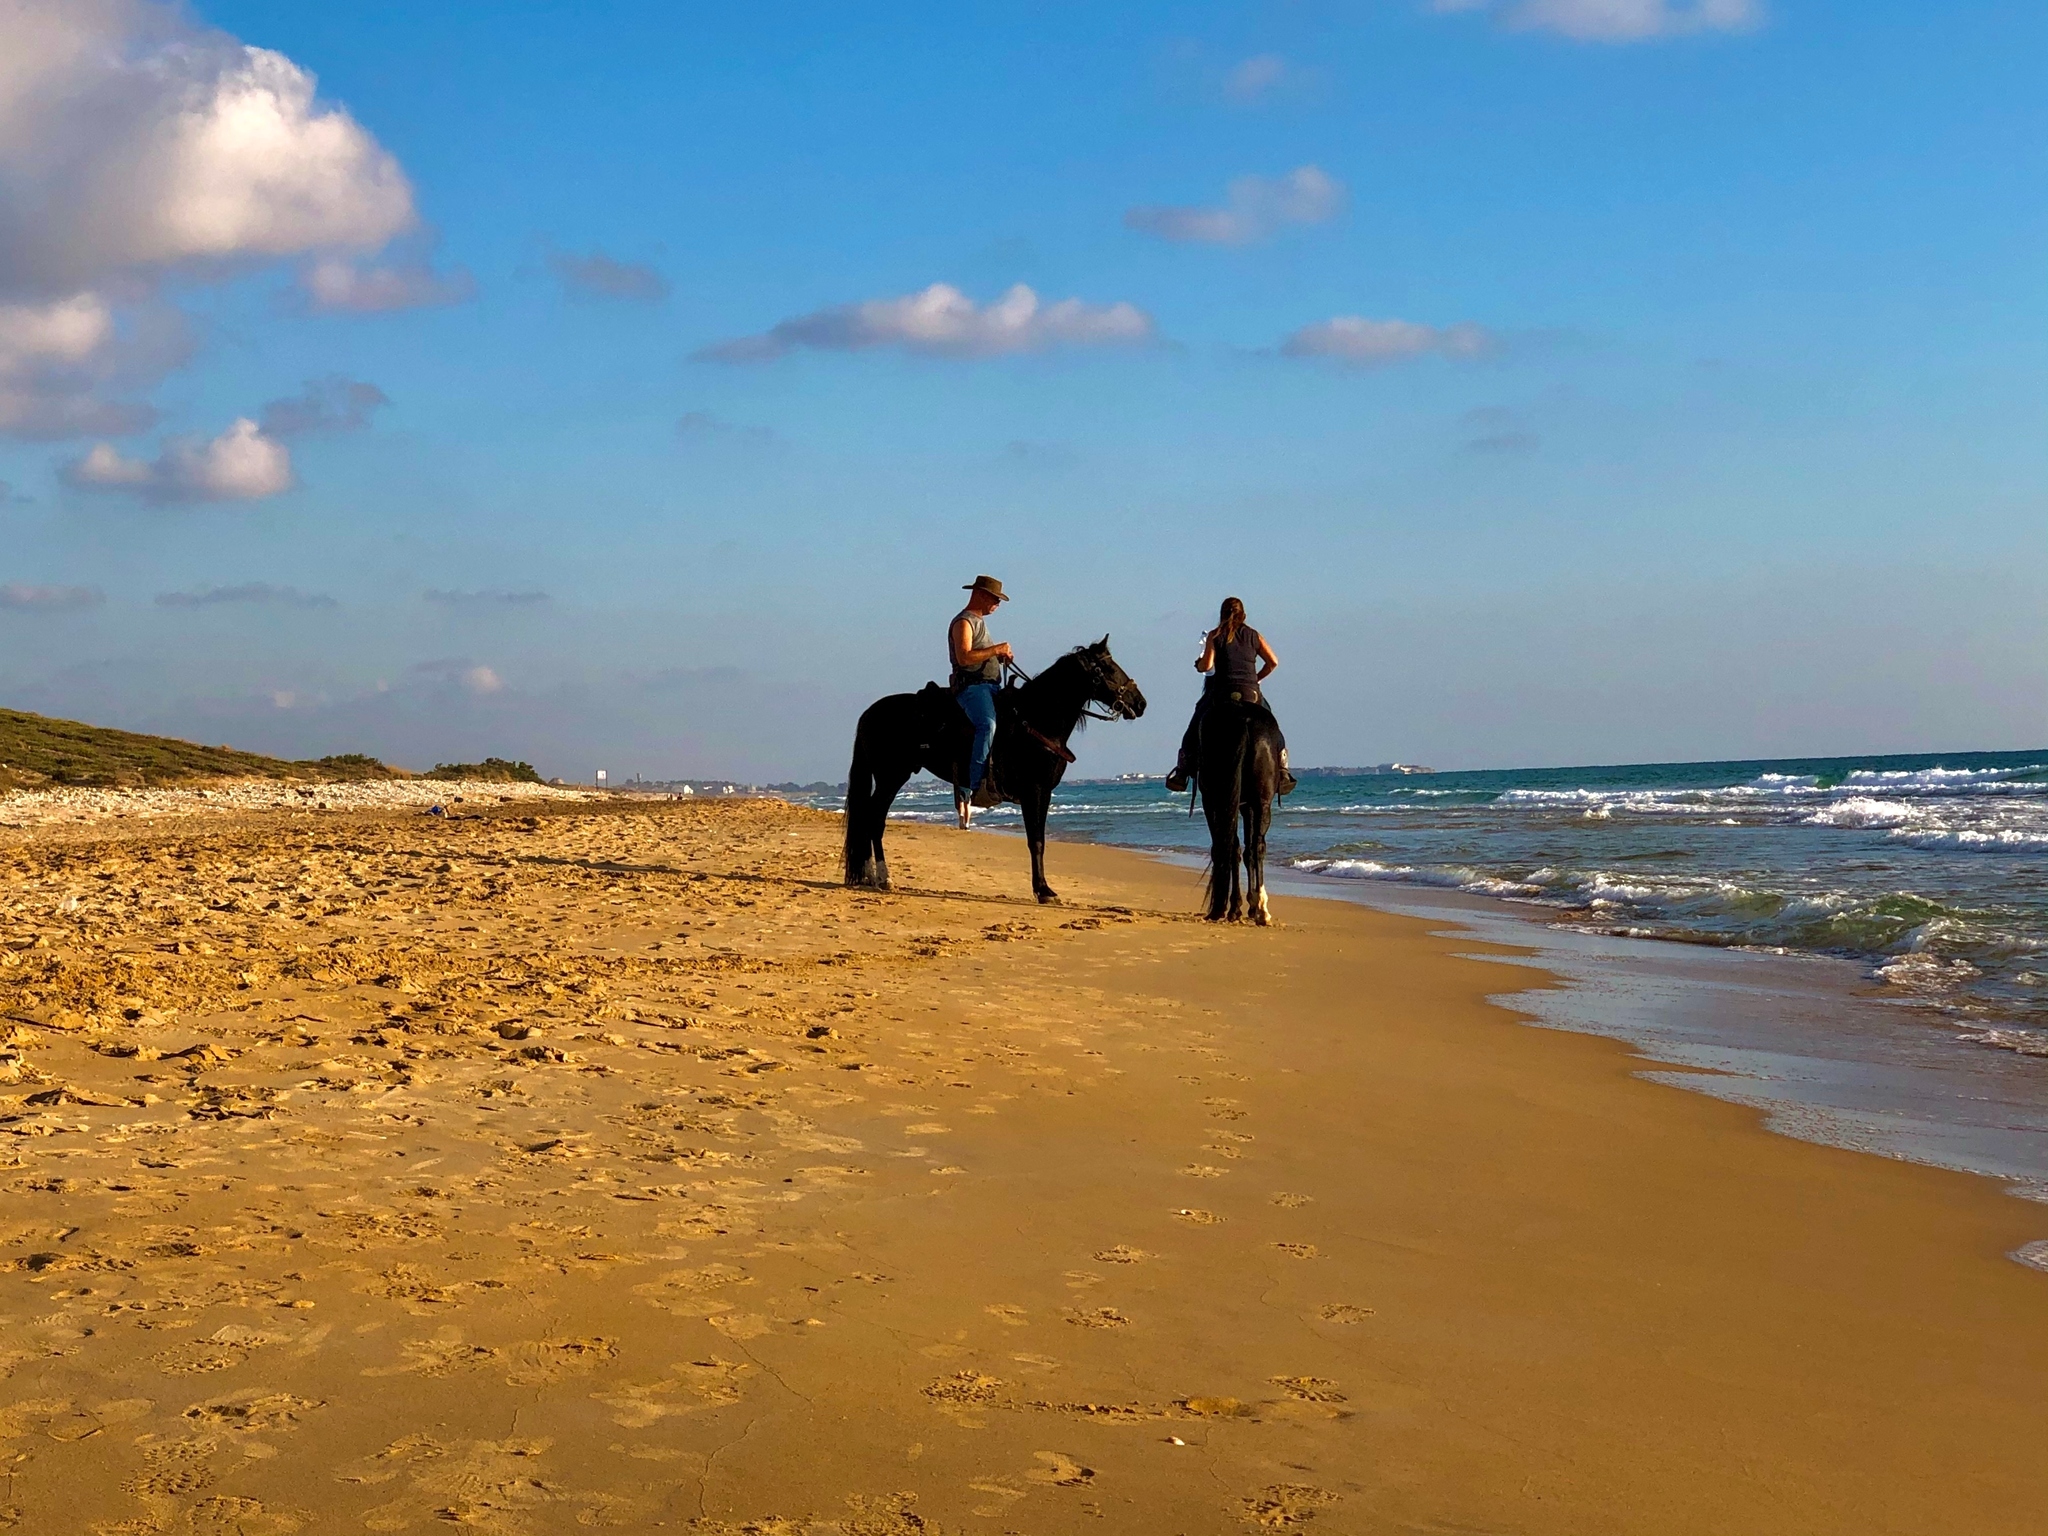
(908, 731)
(1237, 773)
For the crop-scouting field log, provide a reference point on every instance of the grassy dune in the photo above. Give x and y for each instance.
(38, 752)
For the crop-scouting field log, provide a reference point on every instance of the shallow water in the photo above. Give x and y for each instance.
(1930, 873)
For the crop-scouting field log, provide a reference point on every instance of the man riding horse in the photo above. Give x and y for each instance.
(977, 675)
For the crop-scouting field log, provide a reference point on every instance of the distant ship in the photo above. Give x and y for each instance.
(1355, 773)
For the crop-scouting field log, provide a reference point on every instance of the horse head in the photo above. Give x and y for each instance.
(1109, 684)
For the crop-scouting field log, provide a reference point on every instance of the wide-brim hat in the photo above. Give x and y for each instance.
(989, 585)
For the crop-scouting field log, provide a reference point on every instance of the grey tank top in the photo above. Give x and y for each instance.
(1237, 661)
(990, 671)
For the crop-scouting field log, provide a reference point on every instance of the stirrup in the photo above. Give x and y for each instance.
(1177, 781)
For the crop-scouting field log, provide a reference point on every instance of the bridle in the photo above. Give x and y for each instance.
(1120, 701)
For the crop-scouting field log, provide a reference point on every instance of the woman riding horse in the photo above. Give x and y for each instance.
(1238, 660)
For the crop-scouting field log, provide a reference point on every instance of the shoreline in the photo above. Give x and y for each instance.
(615, 1166)
(1893, 1085)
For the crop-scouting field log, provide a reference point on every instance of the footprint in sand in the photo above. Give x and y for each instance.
(442, 1355)
(1055, 1469)
(1214, 1407)
(1097, 1317)
(1344, 1312)
(544, 1360)
(964, 1389)
(173, 1467)
(1283, 1505)
(1309, 1389)
(1198, 1218)
(255, 1410)
(225, 1516)
(1122, 1253)
(1013, 1316)
(1203, 1171)
(226, 1348)
(1297, 1250)
(1291, 1202)
(693, 1387)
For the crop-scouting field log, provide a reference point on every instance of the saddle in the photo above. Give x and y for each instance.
(947, 733)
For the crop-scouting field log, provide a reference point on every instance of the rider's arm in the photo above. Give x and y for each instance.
(1207, 660)
(1268, 662)
(965, 655)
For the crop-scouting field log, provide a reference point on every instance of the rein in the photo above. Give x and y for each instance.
(1058, 749)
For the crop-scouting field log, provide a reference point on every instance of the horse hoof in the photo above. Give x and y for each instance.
(1048, 898)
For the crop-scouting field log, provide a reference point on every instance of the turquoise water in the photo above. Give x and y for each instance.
(1930, 871)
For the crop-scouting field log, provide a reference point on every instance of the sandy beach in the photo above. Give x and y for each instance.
(565, 1164)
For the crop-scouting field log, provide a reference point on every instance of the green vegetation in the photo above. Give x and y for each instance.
(493, 769)
(37, 752)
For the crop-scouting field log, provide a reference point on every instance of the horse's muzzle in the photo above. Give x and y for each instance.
(1132, 707)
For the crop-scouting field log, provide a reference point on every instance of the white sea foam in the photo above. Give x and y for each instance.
(2024, 1042)
(1971, 840)
(1864, 811)
(2034, 1256)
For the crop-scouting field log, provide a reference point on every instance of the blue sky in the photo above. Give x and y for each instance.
(1556, 380)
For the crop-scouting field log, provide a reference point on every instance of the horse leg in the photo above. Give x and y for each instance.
(1219, 805)
(860, 842)
(1036, 802)
(888, 785)
(1258, 810)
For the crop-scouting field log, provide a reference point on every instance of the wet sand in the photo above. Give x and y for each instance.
(607, 1165)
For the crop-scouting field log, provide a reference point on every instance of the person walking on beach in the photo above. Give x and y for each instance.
(1238, 661)
(977, 674)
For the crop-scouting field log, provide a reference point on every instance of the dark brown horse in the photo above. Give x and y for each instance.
(1237, 775)
(907, 731)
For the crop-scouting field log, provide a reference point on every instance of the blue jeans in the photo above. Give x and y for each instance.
(978, 700)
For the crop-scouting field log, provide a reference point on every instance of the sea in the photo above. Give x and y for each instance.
(1882, 919)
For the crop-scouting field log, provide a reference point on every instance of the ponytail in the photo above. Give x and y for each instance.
(1230, 620)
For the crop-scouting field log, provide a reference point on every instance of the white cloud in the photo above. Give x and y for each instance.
(27, 597)
(252, 592)
(58, 356)
(598, 276)
(473, 679)
(332, 404)
(135, 146)
(242, 464)
(1257, 77)
(941, 321)
(335, 285)
(1367, 343)
(1617, 21)
(1254, 208)
(132, 141)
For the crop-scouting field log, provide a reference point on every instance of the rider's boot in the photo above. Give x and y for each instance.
(1288, 782)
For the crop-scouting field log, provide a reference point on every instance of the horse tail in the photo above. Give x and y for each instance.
(860, 798)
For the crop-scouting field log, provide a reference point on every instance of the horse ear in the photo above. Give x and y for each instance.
(1105, 644)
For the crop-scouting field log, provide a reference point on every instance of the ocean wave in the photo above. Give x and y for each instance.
(1864, 811)
(1408, 874)
(2025, 1042)
(1946, 780)
(1975, 840)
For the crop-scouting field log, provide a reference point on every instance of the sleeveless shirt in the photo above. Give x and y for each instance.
(990, 671)
(1237, 661)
